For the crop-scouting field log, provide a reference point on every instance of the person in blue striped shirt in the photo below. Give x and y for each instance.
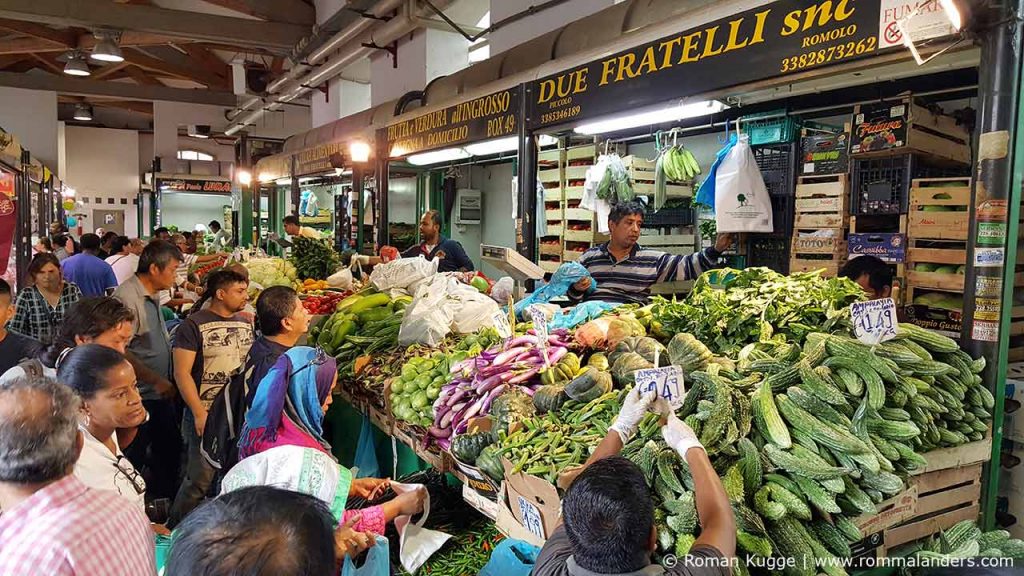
(625, 271)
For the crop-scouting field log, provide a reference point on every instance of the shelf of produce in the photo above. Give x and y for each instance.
(549, 175)
(939, 209)
(926, 254)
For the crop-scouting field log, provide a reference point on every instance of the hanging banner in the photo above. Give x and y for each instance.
(10, 150)
(320, 158)
(182, 185)
(485, 118)
(8, 217)
(784, 37)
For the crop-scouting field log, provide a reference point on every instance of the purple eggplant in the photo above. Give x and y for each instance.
(522, 341)
(440, 432)
(525, 376)
(486, 385)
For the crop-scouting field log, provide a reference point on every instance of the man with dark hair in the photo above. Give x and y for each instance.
(608, 513)
(451, 254)
(623, 271)
(122, 260)
(92, 275)
(52, 523)
(13, 347)
(209, 347)
(107, 244)
(221, 237)
(158, 444)
(873, 275)
(162, 233)
(63, 247)
(256, 531)
(292, 228)
(282, 320)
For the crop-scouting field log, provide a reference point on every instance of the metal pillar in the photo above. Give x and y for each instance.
(994, 216)
(382, 191)
(526, 227)
(23, 236)
(245, 212)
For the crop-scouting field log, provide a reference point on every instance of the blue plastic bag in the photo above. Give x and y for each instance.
(377, 562)
(583, 312)
(511, 558)
(565, 276)
(706, 192)
(366, 453)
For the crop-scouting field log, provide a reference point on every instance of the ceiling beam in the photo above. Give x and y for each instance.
(109, 70)
(87, 42)
(11, 59)
(207, 60)
(62, 38)
(123, 90)
(48, 63)
(156, 20)
(194, 73)
(291, 11)
(141, 77)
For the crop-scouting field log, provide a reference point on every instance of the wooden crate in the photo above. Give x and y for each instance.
(913, 128)
(553, 194)
(548, 157)
(554, 215)
(578, 214)
(809, 253)
(929, 192)
(675, 244)
(550, 266)
(555, 228)
(576, 172)
(549, 175)
(822, 201)
(946, 253)
(588, 152)
(551, 249)
(574, 192)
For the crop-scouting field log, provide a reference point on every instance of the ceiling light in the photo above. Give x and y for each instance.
(926, 30)
(77, 66)
(83, 112)
(202, 131)
(445, 155)
(244, 177)
(494, 146)
(665, 115)
(283, 182)
(106, 49)
(359, 151)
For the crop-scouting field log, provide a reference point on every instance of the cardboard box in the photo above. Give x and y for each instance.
(471, 476)
(887, 247)
(507, 523)
(904, 126)
(533, 501)
(825, 154)
(945, 322)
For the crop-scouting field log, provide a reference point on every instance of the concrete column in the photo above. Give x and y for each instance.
(31, 115)
(538, 24)
(422, 57)
(343, 97)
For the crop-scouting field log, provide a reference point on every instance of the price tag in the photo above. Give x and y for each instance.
(540, 326)
(501, 325)
(531, 518)
(874, 321)
(667, 382)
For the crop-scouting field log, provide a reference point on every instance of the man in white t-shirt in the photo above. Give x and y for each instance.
(124, 257)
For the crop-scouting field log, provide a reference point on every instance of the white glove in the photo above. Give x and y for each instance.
(633, 410)
(362, 259)
(680, 436)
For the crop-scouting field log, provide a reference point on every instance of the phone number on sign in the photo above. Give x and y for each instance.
(825, 55)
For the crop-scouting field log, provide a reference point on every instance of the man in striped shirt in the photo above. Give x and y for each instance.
(625, 271)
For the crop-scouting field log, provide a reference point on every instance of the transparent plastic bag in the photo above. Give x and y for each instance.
(402, 273)
(429, 318)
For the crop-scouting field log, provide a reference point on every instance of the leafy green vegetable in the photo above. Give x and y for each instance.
(314, 258)
(728, 308)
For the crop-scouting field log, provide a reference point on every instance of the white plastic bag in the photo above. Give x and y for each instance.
(742, 203)
(416, 543)
(503, 290)
(341, 279)
(402, 273)
(471, 310)
(429, 318)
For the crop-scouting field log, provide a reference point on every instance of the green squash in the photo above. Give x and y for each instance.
(512, 406)
(590, 385)
(624, 367)
(490, 463)
(549, 398)
(688, 353)
(642, 345)
(599, 361)
(467, 447)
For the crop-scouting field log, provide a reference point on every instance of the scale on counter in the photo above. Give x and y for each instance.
(512, 263)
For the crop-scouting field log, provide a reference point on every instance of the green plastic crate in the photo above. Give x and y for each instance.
(775, 127)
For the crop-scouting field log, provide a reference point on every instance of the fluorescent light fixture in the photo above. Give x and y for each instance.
(494, 146)
(76, 66)
(929, 26)
(665, 115)
(953, 13)
(106, 49)
(244, 177)
(283, 181)
(437, 156)
(359, 151)
(83, 112)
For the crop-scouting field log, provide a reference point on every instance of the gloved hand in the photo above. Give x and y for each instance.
(680, 436)
(633, 410)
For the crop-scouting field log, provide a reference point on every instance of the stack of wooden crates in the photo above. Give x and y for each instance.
(662, 231)
(822, 209)
(571, 230)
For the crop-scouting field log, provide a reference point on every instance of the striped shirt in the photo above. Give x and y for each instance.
(629, 281)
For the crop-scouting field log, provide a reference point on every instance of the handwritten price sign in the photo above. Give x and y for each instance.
(667, 382)
(501, 324)
(531, 517)
(874, 321)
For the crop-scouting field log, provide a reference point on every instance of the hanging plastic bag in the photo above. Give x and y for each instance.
(429, 318)
(402, 273)
(366, 453)
(742, 203)
(503, 290)
(565, 276)
(377, 562)
(511, 558)
(706, 192)
(416, 543)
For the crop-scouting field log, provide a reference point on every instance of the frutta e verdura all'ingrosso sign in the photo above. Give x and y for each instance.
(784, 37)
(484, 118)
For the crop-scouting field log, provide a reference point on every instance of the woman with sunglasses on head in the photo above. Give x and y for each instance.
(105, 382)
(282, 445)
